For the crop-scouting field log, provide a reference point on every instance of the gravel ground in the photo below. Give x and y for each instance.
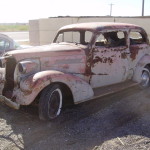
(117, 122)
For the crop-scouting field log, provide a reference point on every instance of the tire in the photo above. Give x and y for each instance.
(50, 103)
(145, 78)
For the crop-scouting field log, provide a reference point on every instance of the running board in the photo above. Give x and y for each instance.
(107, 90)
(111, 89)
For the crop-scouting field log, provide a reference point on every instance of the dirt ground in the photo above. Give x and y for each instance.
(117, 122)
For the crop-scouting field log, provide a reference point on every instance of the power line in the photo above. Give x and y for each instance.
(111, 8)
(142, 7)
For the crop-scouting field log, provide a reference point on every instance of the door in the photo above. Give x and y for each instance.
(138, 47)
(110, 64)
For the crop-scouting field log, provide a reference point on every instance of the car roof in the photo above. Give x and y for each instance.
(5, 36)
(98, 26)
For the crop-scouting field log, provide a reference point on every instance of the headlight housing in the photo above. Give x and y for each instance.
(25, 68)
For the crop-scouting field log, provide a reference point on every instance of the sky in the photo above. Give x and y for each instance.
(12, 11)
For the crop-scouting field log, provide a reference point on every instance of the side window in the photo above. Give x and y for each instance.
(70, 36)
(137, 38)
(111, 39)
(75, 37)
(100, 40)
(88, 36)
(4, 44)
(59, 38)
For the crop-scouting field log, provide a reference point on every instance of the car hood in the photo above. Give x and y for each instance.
(47, 50)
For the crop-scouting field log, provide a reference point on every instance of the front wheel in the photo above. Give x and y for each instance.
(50, 103)
(145, 78)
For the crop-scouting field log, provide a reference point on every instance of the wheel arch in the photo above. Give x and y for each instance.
(142, 65)
(67, 93)
(147, 65)
(78, 89)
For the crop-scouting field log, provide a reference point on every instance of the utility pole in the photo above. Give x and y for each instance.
(142, 7)
(111, 8)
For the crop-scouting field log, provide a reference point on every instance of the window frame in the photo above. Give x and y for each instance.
(82, 36)
(106, 31)
(143, 35)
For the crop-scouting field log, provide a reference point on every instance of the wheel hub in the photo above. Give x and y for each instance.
(145, 79)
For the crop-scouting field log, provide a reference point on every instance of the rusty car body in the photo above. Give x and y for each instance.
(84, 61)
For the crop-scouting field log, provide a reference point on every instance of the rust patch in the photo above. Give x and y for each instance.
(134, 52)
(101, 74)
(97, 59)
(104, 51)
(65, 66)
(123, 55)
(89, 64)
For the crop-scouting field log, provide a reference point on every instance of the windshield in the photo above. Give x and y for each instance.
(77, 37)
(16, 45)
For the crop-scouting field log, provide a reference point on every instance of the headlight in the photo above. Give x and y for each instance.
(25, 68)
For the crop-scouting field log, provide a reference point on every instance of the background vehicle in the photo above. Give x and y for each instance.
(7, 44)
(85, 61)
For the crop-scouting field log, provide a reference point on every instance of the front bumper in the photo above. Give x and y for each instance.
(9, 102)
(4, 99)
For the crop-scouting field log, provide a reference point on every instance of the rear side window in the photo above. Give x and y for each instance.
(137, 38)
(111, 39)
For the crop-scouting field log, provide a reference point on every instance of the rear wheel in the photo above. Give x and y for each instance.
(145, 78)
(50, 103)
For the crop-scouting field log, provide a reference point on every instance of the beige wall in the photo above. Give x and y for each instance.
(43, 31)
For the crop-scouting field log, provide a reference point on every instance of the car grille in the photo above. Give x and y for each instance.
(9, 77)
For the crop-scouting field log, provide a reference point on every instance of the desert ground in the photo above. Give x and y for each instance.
(120, 121)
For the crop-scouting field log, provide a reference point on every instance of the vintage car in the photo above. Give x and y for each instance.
(85, 61)
(7, 44)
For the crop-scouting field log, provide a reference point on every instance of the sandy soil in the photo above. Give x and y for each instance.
(117, 122)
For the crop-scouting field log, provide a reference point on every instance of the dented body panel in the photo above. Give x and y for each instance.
(82, 57)
(30, 87)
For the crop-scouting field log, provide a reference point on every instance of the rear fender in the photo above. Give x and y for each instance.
(34, 84)
(140, 67)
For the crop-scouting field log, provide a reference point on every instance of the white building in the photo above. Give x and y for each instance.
(43, 31)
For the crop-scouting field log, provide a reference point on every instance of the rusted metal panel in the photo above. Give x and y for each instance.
(30, 87)
(46, 50)
(73, 62)
(9, 102)
(108, 67)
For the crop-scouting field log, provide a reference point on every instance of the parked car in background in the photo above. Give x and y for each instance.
(7, 44)
(85, 61)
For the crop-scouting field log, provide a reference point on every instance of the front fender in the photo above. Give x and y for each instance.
(31, 86)
(140, 67)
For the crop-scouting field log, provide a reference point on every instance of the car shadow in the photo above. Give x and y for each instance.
(117, 120)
